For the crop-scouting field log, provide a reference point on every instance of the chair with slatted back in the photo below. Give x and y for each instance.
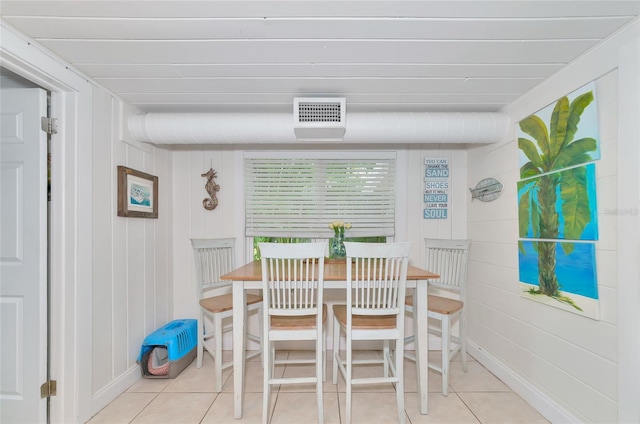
(293, 283)
(213, 258)
(449, 259)
(376, 285)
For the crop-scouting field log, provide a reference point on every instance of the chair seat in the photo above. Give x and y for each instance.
(364, 322)
(297, 322)
(223, 303)
(439, 304)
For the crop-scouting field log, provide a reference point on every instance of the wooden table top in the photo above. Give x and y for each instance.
(333, 271)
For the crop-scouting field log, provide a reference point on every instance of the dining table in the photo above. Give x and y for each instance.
(249, 276)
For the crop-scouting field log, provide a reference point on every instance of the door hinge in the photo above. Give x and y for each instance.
(49, 125)
(49, 388)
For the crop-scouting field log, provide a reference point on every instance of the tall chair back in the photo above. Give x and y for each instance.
(212, 258)
(449, 259)
(377, 273)
(293, 274)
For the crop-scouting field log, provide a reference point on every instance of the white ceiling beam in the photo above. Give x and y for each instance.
(318, 51)
(336, 8)
(365, 28)
(321, 70)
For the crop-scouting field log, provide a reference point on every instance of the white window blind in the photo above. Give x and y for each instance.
(299, 197)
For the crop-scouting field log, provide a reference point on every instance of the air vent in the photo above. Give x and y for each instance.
(319, 112)
(319, 118)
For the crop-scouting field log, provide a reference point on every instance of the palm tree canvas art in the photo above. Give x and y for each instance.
(557, 201)
(575, 275)
(567, 212)
(561, 135)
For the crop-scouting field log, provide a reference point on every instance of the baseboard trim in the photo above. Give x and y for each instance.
(115, 388)
(546, 406)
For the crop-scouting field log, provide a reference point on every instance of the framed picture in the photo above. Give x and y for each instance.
(137, 194)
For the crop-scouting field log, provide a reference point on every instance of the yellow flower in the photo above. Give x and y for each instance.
(339, 224)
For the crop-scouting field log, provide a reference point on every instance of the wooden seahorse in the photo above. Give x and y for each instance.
(211, 187)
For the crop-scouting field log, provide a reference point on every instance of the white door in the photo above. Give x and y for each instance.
(23, 256)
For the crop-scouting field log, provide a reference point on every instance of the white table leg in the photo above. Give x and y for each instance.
(422, 343)
(239, 329)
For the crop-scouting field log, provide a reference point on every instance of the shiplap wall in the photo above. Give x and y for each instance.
(568, 362)
(131, 284)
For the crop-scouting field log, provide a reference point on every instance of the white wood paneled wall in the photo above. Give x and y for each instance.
(131, 284)
(562, 363)
(192, 220)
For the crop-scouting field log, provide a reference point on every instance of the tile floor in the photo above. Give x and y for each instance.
(476, 396)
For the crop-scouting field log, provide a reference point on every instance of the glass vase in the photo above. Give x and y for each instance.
(336, 247)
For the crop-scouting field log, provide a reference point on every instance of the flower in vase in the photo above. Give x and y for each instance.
(336, 247)
(338, 227)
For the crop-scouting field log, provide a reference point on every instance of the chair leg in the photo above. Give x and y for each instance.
(266, 387)
(217, 342)
(463, 340)
(200, 350)
(320, 372)
(386, 354)
(399, 359)
(347, 378)
(261, 333)
(336, 350)
(272, 348)
(446, 328)
(324, 353)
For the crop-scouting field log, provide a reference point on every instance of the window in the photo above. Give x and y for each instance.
(256, 240)
(298, 195)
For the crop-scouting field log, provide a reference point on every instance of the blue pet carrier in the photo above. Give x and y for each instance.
(169, 349)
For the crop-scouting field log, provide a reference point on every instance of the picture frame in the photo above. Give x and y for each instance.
(137, 194)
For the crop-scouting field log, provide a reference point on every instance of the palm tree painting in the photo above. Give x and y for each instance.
(560, 135)
(561, 205)
(575, 275)
(556, 196)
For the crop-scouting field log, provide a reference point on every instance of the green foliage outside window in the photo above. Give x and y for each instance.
(256, 240)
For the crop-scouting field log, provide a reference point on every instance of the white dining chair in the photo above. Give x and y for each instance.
(213, 258)
(293, 284)
(376, 285)
(449, 259)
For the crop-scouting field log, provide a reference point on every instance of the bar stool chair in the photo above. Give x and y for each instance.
(213, 258)
(449, 259)
(293, 283)
(376, 285)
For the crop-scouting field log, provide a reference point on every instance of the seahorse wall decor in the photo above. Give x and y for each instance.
(211, 202)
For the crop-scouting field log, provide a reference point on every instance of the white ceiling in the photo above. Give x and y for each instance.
(256, 56)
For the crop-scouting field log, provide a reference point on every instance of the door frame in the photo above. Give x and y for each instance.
(71, 221)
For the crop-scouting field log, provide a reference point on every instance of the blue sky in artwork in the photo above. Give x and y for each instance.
(576, 272)
(591, 230)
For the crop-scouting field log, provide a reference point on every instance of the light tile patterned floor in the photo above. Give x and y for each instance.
(476, 396)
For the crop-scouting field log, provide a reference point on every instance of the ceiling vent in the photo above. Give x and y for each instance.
(319, 117)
